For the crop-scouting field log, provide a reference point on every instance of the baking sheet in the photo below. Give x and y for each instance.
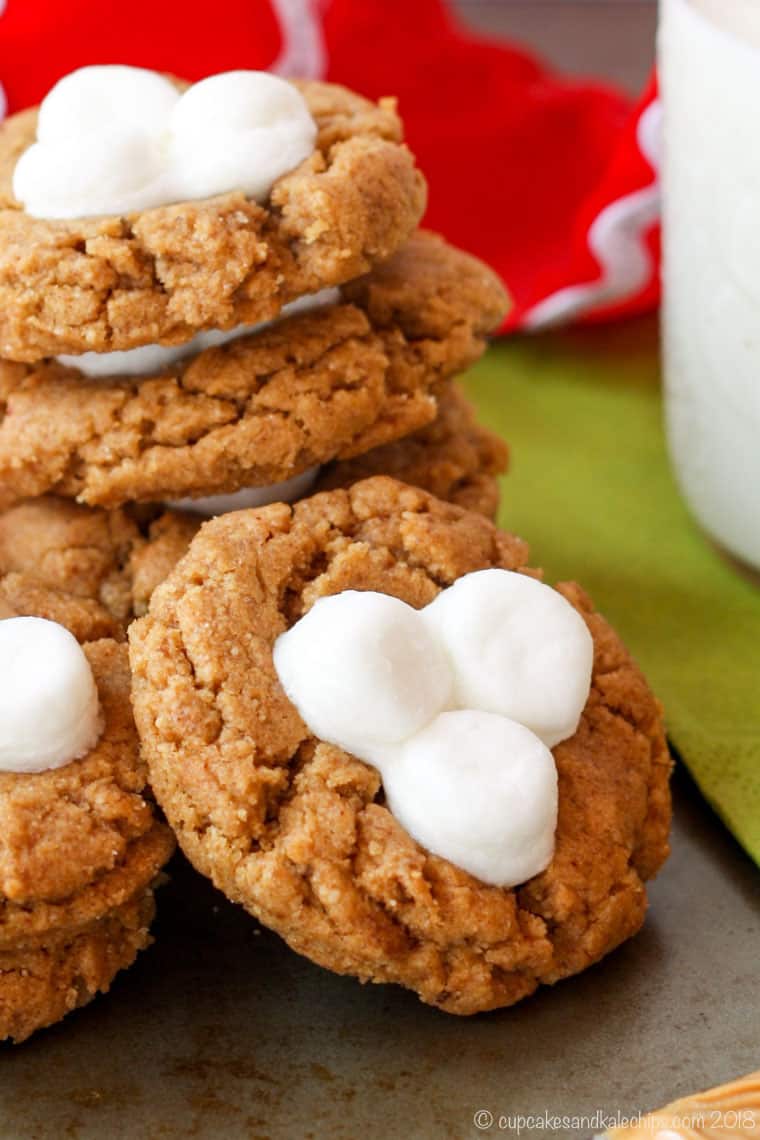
(220, 1031)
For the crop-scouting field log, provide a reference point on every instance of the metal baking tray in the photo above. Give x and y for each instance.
(220, 1032)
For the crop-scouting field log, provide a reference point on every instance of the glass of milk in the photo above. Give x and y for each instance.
(710, 77)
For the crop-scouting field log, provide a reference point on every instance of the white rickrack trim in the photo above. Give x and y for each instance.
(617, 240)
(303, 52)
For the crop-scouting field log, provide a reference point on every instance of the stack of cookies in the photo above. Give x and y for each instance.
(81, 844)
(172, 354)
(363, 714)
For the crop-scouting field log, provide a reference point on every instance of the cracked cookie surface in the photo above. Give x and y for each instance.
(454, 458)
(316, 387)
(39, 986)
(112, 283)
(297, 830)
(94, 570)
(88, 568)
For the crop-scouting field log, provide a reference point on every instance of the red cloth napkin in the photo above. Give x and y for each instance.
(552, 182)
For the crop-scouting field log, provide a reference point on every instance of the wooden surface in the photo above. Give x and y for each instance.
(610, 39)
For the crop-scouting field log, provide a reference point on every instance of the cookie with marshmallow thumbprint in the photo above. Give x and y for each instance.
(370, 722)
(80, 843)
(134, 212)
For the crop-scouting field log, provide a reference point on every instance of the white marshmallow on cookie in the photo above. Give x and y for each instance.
(49, 707)
(241, 130)
(456, 705)
(363, 671)
(479, 790)
(115, 140)
(152, 359)
(518, 648)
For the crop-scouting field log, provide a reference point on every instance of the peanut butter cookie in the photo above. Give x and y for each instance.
(94, 570)
(88, 565)
(316, 387)
(112, 283)
(454, 458)
(297, 830)
(80, 851)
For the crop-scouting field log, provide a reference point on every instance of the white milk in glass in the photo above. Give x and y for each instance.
(710, 77)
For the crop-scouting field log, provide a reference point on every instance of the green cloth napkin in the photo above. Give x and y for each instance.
(591, 490)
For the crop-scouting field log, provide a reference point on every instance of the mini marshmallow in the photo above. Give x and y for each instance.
(152, 359)
(96, 99)
(286, 492)
(518, 648)
(241, 130)
(49, 709)
(115, 173)
(479, 790)
(363, 671)
(457, 705)
(114, 140)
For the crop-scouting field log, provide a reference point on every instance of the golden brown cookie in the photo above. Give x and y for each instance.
(93, 570)
(112, 283)
(60, 558)
(71, 549)
(80, 849)
(39, 986)
(454, 458)
(297, 831)
(316, 387)
(163, 542)
(24, 595)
